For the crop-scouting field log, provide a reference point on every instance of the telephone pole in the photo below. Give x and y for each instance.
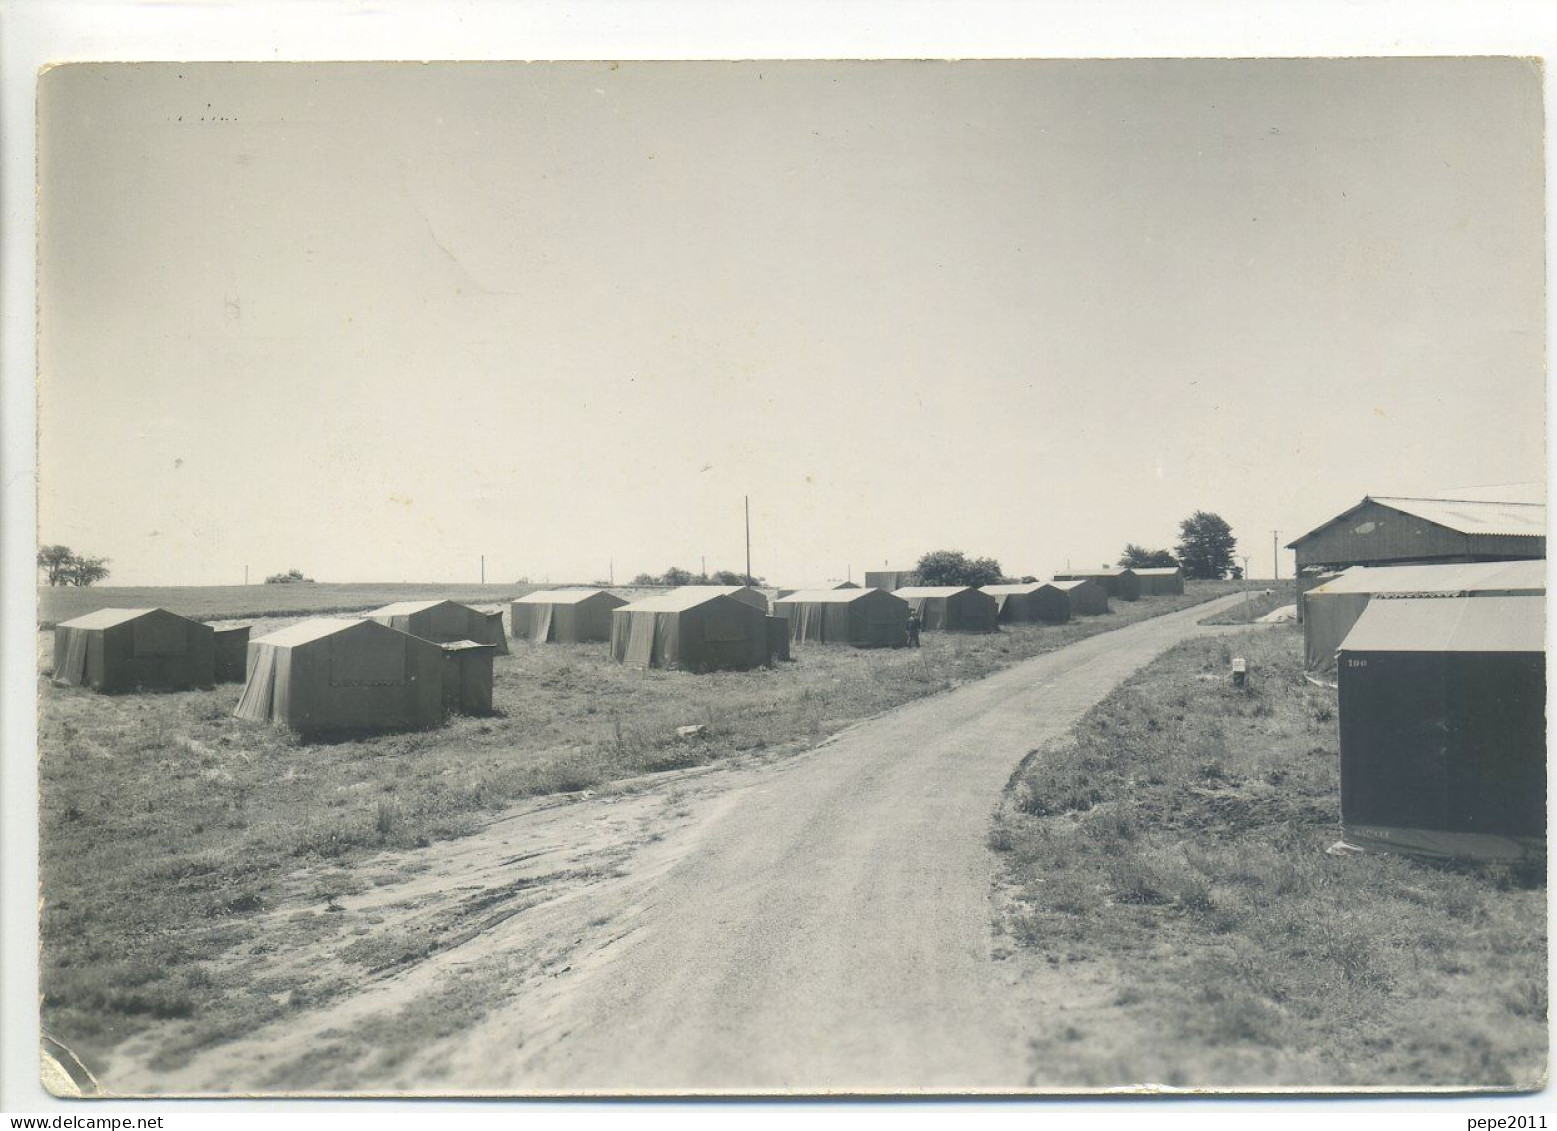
(746, 501)
(1275, 560)
(483, 569)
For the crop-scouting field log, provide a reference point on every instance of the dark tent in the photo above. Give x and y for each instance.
(1087, 597)
(1030, 603)
(848, 585)
(1443, 727)
(335, 674)
(467, 677)
(890, 579)
(122, 649)
(1160, 581)
(1121, 583)
(866, 618)
(693, 629)
(952, 608)
(1330, 610)
(232, 654)
(564, 616)
(444, 622)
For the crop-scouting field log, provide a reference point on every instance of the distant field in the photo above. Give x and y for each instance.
(236, 602)
(168, 826)
(1167, 864)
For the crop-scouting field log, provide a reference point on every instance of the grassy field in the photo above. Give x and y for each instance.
(1170, 854)
(166, 824)
(1259, 602)
(239, 602)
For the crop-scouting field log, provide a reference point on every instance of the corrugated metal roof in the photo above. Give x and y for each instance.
(1465, 516)
(933, 590)
(106, 618)
(824, 596)
(1450, 624)
(1520, 520)
(557, 596)
(1527, 577)
(315, 629)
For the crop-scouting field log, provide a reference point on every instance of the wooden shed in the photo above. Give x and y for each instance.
(1395, 530)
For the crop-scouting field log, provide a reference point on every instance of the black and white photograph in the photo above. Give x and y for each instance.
(792, 577)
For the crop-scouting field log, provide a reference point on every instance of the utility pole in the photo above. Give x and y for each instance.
(245, 575)
(746, 500)
(1275, 560)
(611, 570)
(483, 569)
(702, 566)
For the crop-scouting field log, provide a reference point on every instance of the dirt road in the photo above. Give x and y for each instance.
(822, 923)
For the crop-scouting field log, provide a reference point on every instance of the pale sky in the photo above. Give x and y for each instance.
(373, 321)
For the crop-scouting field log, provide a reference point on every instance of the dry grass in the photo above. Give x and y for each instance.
(1175, 845)
(168, 828)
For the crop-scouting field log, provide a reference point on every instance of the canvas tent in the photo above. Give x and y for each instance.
(443, 622)
(232, 654)
(890, 579)
(1030, 603)
(1443, 727)
(564, 616)
(952, 608)
(866, 618)
(339, 674)
(1160, 581)
(467, 677)
(693, 629)
(123, 649)
(1087, 597)
(1330, 610)
(1121, 583)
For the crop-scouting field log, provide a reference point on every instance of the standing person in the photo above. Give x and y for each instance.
(913, 627)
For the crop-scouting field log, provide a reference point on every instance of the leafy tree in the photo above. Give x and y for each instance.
(62, 566)
(1139, 557)
(1236, 573)
(953, 567)
(675, 575)
(1206, 545)
(86, 572)
(290, 577)
(55, 561)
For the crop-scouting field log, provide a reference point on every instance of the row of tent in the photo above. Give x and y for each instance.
(1124, 582)
(407, 663)
(1441, 679)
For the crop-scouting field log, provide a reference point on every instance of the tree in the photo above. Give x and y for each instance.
(1139, 557)
(86, 572)
(55, 562)
(290, 577)
(953, 567)
(62, 566)
(1206, 545)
